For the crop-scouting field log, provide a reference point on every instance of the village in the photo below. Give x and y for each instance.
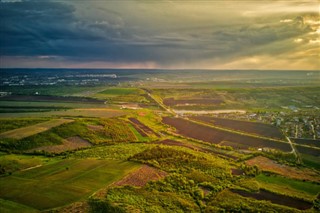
(48, 79)
(294, 124)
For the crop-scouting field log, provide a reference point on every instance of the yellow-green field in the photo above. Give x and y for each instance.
(118, 94)
(89, 112)
(62, 182)
(33, 129)
(12, 162)
(302, 189)
(53, 104)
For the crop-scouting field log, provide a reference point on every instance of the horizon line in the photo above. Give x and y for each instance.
(160, 69)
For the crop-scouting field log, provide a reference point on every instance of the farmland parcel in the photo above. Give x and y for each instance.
(216, 136)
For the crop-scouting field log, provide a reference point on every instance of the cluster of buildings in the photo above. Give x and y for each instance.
(301, 124)
(50, 80)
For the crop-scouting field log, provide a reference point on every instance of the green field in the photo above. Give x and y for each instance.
(90, 112)
(304, 190)
(120, 95)
(24, 132)
(53, 105)
(137, 134)
(11, 162)
(95, 131)
(311, 161)
(54, 90)
(120, 91)
(246, 97)
(10, 124)
(118, 151)
(7, 206)
(63, 182)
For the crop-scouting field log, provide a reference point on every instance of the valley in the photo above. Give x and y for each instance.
(185, 143)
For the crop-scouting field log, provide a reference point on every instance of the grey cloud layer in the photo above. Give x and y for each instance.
(134, 31)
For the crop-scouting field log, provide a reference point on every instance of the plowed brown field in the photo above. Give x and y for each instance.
(276, 198)
(243, 126)
(216, 136)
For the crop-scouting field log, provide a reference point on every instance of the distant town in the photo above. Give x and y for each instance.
(45, 80)
(295, 124)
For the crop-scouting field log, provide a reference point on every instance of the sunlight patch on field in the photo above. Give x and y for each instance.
(34, 129)
(83, 112)
(268, 165)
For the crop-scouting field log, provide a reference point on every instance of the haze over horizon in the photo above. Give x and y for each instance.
(208, 34)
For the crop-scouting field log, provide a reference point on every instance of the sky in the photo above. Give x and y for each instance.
(160, 34)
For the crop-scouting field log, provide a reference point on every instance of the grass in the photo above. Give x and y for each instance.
(10, 124)
(7, 206)
(150, 119)
(268, 165)
(52, 90)
(120, 95)
(53, 136)
(11, 162)
(288, 186)
(82, 112)
(227, 201)
(119, 151)
(113, 131)
(63, 182)
(120, 91)
(183, 159)
(137, 134)
(24, 132)
(141, 200)
(311, 161)
(58, 105)
(247, 98)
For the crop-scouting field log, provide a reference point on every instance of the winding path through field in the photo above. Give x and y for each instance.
(33, 167)
(293, 149)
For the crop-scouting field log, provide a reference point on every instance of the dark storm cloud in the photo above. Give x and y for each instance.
(27, 27)
(51, 28)
(43, 28)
